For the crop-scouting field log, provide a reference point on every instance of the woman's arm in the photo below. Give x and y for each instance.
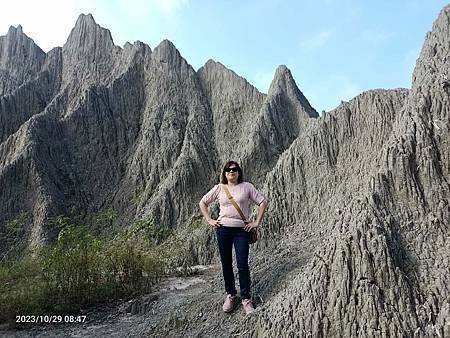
(261, 210)
(205, 212)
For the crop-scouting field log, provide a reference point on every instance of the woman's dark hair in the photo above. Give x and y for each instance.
(223, 178)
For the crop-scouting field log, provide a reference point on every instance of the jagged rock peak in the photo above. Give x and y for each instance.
(15, 30)
(213, 64)
(16, 36)
(282, 80)
(441, 25)
(137, 45)
(87, 34)
(284, 83)
(217, 67)
(88, 18)
(166, 52)
(141, 44)
(216, 71)
(20, 57)
(434, 60)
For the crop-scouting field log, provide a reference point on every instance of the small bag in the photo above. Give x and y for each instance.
(253, 232)
(253, 236)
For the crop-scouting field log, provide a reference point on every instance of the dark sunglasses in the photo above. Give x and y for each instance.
(231, 170)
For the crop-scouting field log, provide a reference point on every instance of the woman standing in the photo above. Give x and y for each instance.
(232, 230)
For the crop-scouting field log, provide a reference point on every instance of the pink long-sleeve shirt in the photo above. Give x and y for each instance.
(243, 193)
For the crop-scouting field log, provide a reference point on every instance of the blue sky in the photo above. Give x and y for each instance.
(334, 49)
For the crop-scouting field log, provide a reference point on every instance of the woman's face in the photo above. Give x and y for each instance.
(231, 173)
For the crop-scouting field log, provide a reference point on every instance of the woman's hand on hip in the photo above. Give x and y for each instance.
(250, 226)
(215, 223)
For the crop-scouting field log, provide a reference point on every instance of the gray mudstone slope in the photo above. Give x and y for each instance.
(355, 242)
(92, 126)
(371, 181)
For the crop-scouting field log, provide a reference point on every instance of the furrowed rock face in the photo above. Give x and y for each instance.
(284, 115)
(418, 169)
(251, 127)
(235, 105)
(31, 79)
(174, 153)
(380, 207)
(330, 161)
(89, 53)
(20, 60)
(37, 78)
(131, 129)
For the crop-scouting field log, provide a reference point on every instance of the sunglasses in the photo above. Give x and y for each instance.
(231, 170)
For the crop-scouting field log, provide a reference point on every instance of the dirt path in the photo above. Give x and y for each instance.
(137, 317)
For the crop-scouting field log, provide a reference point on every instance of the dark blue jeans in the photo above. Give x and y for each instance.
(226, 237)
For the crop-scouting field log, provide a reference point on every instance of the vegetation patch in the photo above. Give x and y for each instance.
(82, 268)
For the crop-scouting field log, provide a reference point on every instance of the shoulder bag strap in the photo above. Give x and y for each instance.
(236, 206)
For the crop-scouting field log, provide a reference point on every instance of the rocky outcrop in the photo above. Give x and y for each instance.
(29, 81)
(251, 127)
(235, 105)
(383, 211)
(20, 60)
(128, 128)
(330, 161)
(283, 117)
(175, 149)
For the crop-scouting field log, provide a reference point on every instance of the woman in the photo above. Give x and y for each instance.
(231, 229)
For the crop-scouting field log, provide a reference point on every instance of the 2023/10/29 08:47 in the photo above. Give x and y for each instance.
(51, 319)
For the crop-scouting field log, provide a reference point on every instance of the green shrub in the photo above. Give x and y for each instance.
(11, 237)
(22, 289)
(80, 269)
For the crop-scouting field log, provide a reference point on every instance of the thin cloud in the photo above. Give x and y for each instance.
(147, 8)
(170, 6)
(316, 41)
(376, 37)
